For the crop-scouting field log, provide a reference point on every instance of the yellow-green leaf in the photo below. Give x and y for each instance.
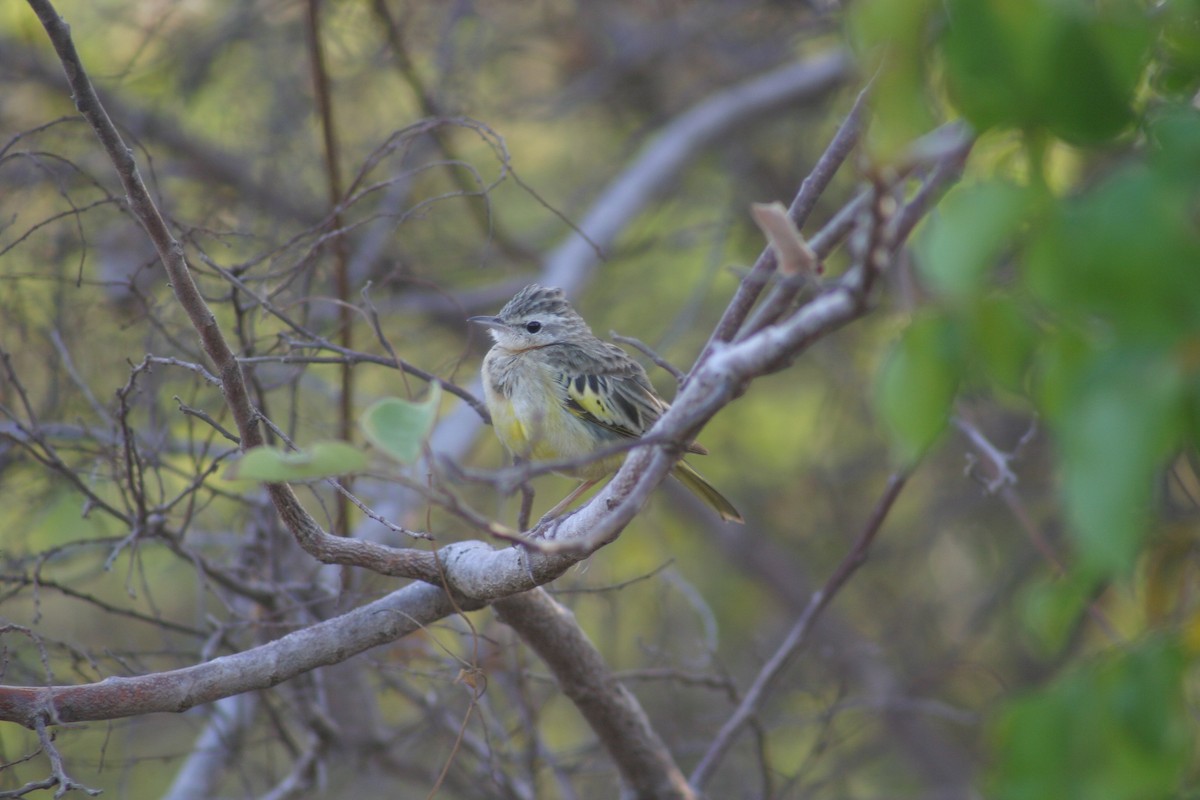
(399, 427)
(273, 465)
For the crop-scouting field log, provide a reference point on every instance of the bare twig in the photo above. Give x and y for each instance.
(1003, 482)
(69, 365)
(205, 417)
(333, 175)
(57, 770)
(802, 205)
(431, 107)
(796, 637)
(675, 371)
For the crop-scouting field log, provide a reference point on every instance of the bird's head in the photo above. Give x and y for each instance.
(535, 317)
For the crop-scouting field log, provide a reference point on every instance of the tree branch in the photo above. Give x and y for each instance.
(329, 642)
(611, 710)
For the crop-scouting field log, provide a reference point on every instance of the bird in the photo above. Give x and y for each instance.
(557, 393)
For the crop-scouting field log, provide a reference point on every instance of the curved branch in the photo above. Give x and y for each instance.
(329, 642)
(661, 159)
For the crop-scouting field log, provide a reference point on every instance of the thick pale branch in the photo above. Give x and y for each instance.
(328, 642)
(611, 710)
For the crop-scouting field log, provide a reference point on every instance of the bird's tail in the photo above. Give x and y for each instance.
(696, 484)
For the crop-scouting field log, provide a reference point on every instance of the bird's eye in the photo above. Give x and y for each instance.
(533, 327)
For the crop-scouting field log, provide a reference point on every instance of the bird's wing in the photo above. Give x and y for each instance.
(620, 401)
(617, 404)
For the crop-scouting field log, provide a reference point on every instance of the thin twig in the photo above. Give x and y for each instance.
(69, 365)
(797, 636)
(1004, 483)
(333, 176)
(57, 770)
(648, 351)
(803, 203)
(204, 416)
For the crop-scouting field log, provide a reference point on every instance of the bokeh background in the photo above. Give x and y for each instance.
(1026, 625)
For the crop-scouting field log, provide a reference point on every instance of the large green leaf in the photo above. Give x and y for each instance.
(1069, 68)
(1127, 415)
(1116, 729)
(1126, 253)
(971, 228)
(1094, 66)
(273, 465)
(992, 50)
(399, 427)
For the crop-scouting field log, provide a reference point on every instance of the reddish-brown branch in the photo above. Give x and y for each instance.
(333, 173)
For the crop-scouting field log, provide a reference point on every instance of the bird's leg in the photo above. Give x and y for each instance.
(563, 504)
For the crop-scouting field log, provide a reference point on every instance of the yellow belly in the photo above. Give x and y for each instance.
(533, 423)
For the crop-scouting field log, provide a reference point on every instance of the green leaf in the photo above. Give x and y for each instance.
(972, 227)
(1094, 66)
(917, 385)
(1117, 729)
(1002, 340)
(1127, 416)
(991, 52)
(273, 465)
(1127, 253)
(1061, 360)
(890, 39)
(1070, 68)
(399, 427)
(1179, 70)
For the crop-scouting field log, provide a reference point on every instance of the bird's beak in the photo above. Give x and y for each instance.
(491, 322)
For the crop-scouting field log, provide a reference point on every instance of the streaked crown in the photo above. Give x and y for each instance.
(535, 300)
(537, 317)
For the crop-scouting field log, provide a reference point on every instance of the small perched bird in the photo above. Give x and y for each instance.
(556, 393)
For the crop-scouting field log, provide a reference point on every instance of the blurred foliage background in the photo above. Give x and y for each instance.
(1027, 625)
